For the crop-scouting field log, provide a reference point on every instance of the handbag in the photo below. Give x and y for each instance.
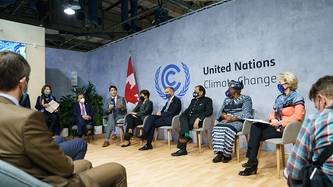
(312, 174)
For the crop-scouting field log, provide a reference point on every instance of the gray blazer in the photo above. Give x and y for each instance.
(143, 109)
(120, 112)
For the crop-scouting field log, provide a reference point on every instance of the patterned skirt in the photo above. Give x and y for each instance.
(223, 139)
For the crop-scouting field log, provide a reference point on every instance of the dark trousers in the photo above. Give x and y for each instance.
(153, 122)
(132, 122)
(81, 125)
(260, 132)
(52, 122)
(186, 124)
(76, 148)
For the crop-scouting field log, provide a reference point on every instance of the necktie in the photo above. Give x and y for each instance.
(167, 107)
(82, 110)
(114, 108)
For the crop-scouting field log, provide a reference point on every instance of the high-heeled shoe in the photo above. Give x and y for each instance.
(126, 145)
(250, 164)
(249, 171)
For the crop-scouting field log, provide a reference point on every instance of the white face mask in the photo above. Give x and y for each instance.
(82, 100)
(47, 92)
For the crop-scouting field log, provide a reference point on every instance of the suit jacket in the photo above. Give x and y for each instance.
(77, 110)
(199, 108)
(174, 109)
(143, 109)
(27, 143)
(120, 112)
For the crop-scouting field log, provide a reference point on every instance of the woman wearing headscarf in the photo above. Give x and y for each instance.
(42, 102)
(235, 108)
(288, 107)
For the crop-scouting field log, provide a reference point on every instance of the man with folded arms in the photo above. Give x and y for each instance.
(192, 118)
(28, 144)
(163, 118)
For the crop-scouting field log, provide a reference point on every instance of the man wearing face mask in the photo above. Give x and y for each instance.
(192, 118)
(316, 133)
(163, 118)
(83, 114)
(27, 143)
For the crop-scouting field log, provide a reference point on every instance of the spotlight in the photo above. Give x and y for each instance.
(69, 11)
(76, 5)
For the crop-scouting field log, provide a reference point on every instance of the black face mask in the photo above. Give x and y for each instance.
(141, 98)
(195, 94)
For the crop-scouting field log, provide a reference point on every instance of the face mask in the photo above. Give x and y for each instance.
(47, 92)
(228, 93)
(280, 88)
(24, 96)
(82, 100)
(142, 98)
(168, 96)
(195, 94)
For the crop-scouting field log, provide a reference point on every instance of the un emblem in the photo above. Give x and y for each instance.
(169, 76)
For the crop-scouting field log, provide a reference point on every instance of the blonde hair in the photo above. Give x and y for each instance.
(290, 78)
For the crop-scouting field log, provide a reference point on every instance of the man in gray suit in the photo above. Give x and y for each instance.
(115, 111)
(27, 142)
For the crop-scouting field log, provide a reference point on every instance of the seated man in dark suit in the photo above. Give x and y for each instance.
(162, 118)
(83, 114)
(192, 118)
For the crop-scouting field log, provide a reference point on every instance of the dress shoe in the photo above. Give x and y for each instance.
(126, 145)
(249, 171)
(105, 144)
(140, 137)
(226, 159)
(185, 139)
(218, 157)
(179, 153)
(249, 164)
(113, 137)
(146, 147)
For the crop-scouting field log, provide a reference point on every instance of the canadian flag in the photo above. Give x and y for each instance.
(131, 91)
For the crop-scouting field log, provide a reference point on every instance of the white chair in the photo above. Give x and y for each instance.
(289, 136)
(174, 125)
(206, 125)
(140, 127)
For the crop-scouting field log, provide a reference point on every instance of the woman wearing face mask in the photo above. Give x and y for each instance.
(235, 108)
(42, 102)
(136, 117)
(288, 107)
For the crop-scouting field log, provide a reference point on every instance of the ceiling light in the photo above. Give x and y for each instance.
(69, 11)
(76, 5)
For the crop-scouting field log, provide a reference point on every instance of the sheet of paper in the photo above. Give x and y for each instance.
(53, 106)
(257, 120)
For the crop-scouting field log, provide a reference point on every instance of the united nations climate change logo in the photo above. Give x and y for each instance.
(173, 76)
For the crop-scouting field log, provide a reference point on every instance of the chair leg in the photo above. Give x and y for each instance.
(141, 132)
(121, 132)
(169, 138)
(199, 140)
(247, 138)
(259, 150)
(278, 161)
(156, 136)
(283, 156)
(208, 139)
(237, 147)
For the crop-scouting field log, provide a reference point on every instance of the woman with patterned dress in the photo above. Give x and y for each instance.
(235, 108)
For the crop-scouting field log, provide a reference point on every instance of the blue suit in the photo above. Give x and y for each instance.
(78, 119)
(165, 119)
